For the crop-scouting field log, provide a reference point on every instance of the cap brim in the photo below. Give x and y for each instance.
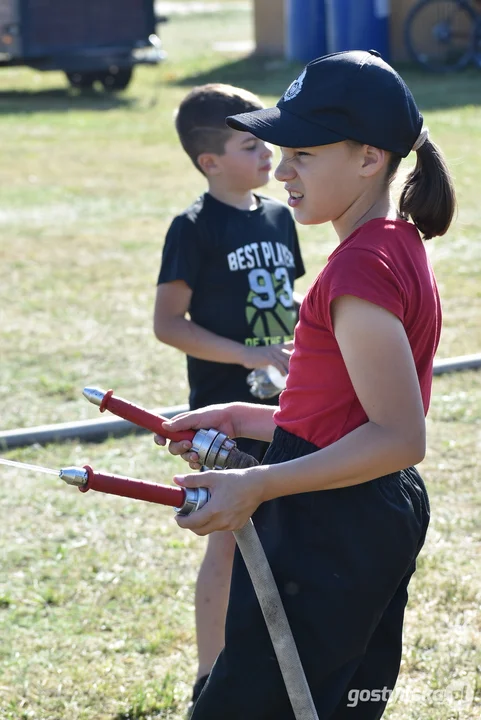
(280, 127)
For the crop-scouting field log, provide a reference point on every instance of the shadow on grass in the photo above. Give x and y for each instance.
(268, 76)
(440, 92)
(59, 100)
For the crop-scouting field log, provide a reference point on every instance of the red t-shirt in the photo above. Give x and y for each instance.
(384, 262)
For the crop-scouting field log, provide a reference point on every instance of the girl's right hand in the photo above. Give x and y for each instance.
(220, 417)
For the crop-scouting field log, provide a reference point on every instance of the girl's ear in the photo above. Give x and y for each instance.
(209, 163)
(373, 160)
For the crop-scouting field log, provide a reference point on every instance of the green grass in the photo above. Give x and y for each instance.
(96, 592)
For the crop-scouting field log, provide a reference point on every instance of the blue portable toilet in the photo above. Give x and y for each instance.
(306, 37)
(358, 25)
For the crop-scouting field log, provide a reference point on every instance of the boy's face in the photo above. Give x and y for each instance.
(322, 181)
(246, 163)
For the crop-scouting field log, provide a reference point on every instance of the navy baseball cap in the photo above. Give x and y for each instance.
(351, 95)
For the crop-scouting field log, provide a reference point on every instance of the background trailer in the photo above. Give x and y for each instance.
(90, 40)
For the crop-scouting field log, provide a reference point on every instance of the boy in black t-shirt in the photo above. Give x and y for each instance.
(229, 262)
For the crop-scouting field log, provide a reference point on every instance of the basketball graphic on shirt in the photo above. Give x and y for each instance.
(270, 323)
(266, 311)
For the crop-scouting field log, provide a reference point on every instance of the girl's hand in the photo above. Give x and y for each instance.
(235, 495)
(220, 417)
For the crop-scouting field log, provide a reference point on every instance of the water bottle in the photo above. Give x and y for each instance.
(266, 382)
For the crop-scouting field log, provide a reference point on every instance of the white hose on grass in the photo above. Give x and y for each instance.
(277, 623)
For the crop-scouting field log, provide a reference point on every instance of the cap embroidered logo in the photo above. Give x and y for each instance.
(295, 87)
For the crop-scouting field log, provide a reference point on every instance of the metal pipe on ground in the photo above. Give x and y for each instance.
(456, 364)
(94, 430)
(103, 428)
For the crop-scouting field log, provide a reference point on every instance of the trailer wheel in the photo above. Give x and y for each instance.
(115, 78)
(81, 80)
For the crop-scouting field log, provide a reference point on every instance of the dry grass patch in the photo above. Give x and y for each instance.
(96, 592)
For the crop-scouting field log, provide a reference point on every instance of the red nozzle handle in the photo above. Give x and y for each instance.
(136, 489)
(141, 417)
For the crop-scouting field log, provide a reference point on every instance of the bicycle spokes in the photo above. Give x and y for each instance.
(441, 34)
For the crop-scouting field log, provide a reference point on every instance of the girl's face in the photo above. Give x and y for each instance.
(323, 182)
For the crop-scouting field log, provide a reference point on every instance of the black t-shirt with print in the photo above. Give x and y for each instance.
(240, 266)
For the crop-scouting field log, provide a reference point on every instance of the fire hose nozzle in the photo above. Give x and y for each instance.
(74, 476)
(184, 500)
(216, 450)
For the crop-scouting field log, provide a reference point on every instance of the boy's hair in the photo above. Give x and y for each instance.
(200, 119)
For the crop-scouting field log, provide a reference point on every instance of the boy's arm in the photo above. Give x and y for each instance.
(173, 328)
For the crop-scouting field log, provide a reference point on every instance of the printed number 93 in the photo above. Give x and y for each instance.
(261, 283)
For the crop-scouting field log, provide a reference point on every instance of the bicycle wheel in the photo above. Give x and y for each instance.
(440, 34)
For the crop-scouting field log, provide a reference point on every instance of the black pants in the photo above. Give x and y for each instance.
(342, 560)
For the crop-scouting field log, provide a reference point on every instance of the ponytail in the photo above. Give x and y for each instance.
(428, 196)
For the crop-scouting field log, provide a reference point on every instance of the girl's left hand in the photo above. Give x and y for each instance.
(234, 497)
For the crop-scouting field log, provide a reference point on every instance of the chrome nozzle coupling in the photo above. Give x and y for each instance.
(94, 395)
(195, 498)
(74, 476)
(213, 448)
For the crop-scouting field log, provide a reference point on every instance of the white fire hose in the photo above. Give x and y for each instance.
(277, 623)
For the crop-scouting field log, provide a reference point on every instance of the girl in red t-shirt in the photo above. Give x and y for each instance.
(340, 509)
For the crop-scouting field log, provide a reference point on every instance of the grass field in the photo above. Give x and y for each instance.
(96, 593)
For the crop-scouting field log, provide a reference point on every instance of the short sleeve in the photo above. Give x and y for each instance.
(364, 274)
(182, 253)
